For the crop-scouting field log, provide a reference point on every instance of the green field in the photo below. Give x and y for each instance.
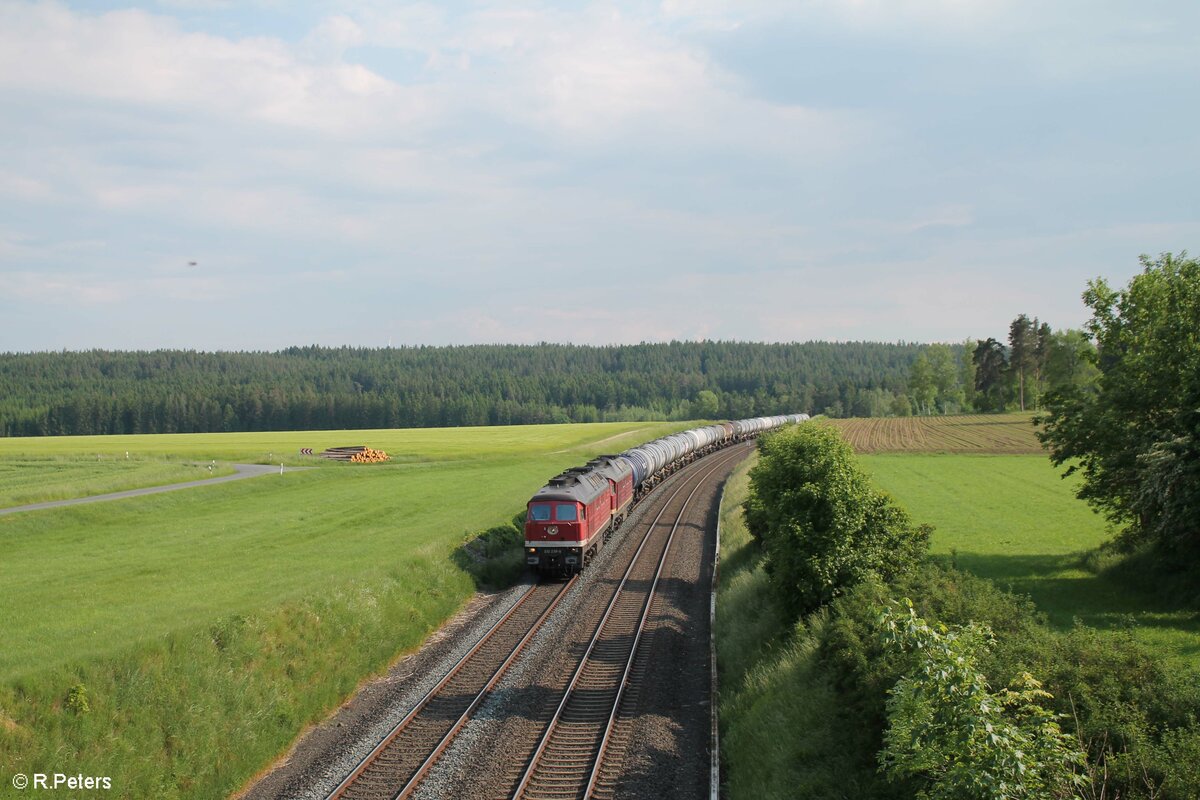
(1012, 519)
(104, 576)
(209, 625)
(408, 444)
(33, 479)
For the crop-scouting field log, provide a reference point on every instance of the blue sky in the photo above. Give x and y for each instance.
(366, 172)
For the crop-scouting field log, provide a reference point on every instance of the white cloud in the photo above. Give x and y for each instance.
(25, 187)
(454, 165)
(148, 61)
(57, 291)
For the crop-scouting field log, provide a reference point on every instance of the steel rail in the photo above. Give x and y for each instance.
(641, 627)
(544, 740)
(417, 777)
(399, 728)
(428, 763)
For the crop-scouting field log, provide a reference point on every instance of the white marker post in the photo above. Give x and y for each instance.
(281, 468)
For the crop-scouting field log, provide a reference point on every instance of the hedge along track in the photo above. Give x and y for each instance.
(398, 763)
(567, 760)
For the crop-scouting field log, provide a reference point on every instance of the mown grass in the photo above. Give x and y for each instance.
(207, 627)
(1012, 519)
(32, 479)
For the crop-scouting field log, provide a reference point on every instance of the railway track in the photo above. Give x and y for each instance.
(569, 758)
(397, 766)
(398, 763)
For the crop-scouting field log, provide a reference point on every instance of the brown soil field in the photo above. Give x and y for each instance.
(973, 433)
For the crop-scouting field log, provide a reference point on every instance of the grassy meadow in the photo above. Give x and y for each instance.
(178, 642)
(1013, 519)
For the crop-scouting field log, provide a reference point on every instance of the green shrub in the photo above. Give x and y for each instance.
(1133, 713)
(964, 741)
(77, 699)
(495, 557)
(823, 526)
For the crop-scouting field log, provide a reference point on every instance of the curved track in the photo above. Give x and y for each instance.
(567, 760)
(563, 753)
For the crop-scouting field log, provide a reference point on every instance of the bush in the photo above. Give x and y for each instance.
(1134, 715)
(964, 741)
(77, 700)
(495, 557)
(823, 526)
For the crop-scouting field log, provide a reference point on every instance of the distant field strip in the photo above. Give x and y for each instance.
(241, 471)
(976, 433)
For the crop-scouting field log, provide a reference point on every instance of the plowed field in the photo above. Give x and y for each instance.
(978, 433)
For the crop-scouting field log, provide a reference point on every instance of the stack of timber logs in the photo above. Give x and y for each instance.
(357, 455)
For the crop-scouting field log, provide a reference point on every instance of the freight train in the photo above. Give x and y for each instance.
(573, 515)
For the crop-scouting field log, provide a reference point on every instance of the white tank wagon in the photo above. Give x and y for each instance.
(655, 460)
(569, 519)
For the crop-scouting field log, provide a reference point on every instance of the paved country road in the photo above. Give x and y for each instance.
(243, 471)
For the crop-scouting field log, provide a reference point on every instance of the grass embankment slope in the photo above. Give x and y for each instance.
(1002, 511)
(772, 701)
(206, 627)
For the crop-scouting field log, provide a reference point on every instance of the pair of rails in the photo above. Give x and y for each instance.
(568, 758)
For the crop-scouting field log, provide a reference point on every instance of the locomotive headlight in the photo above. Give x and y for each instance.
(552, 529)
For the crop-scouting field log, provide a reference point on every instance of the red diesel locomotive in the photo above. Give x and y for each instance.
(571, 516)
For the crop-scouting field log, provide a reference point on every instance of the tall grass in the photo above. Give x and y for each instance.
(194, 712)
(780, 717)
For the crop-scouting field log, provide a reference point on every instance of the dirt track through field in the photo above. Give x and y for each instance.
(243, 471)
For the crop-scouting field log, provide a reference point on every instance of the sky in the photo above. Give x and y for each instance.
(254, 175)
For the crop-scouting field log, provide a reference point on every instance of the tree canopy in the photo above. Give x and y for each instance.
(823, 525)
(1135, 436)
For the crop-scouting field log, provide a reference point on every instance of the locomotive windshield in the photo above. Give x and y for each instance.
(566, 512)
(539, 512)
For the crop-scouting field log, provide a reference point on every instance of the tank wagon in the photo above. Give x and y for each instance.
(572, 516)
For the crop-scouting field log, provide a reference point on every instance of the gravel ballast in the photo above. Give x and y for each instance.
(664, 733)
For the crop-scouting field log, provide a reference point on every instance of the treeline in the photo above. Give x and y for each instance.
(321, 388)
(981, 375)
(991, 375)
